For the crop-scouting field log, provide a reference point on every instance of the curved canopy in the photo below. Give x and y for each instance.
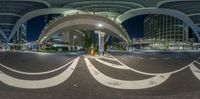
(82, 22)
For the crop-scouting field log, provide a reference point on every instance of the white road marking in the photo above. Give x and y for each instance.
(166, 58)
(36, 73)
(195, 71)
(112, 65)
(37, 84)
(39, 53)
(146, 73)
(153, 59)
(139, 57)
(107, 58)
(124, 84)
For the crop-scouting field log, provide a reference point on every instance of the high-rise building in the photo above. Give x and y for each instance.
(165, 28)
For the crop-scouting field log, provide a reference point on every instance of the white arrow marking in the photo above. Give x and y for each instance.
(124, 84)
(195, 71)
(36, 84)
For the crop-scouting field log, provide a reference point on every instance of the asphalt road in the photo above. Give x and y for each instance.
(82, 84)
(157, 62)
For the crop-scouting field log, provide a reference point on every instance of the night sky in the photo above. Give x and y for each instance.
(133, 26)
(34, 28)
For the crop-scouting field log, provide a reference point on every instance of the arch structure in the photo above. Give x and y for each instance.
(3, 34)
(83, 22)
(40, 12)
(12, 10)
(34, 14)
(99, 6)
(169, 12)
(188, 7)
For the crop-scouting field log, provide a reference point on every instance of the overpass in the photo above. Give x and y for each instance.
(13, 17)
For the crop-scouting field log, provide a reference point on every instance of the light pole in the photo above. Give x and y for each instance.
(101, 39)
(74, 37)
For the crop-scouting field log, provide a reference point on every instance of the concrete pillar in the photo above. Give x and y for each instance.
(185, 32)
(101, 42)
(17, 39)
(65, 37)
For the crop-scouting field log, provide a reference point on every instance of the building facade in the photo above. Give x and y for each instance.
(165, 28)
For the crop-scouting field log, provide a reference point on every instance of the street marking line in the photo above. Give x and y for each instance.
(112, 65)
(195, 71)
(152, 74)
(36, 73)
(124, 84)
(166, 58)
(38, 84)
(139, 57)
(153, 59)
(108, 58)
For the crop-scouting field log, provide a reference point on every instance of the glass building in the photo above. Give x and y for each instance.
(165, 28)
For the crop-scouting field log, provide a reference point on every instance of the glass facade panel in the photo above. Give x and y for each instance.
(165, 28)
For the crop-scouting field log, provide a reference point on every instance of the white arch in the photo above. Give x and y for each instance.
(168, 1)
(84, 21)
(3, 34)
(170, 12)
(38, 1)
(108, 2)
(7, 30)
(11, 14)
(194, 14)
(7, 24)
(105, 5)
(34, 14)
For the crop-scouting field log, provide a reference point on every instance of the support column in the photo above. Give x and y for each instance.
(186, 32)
(17, 39)
(101, 42)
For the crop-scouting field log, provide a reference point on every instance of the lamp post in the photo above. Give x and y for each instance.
(74, 37)
(101, 39)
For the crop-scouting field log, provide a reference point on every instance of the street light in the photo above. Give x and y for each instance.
(100, 25)
(74, 37)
